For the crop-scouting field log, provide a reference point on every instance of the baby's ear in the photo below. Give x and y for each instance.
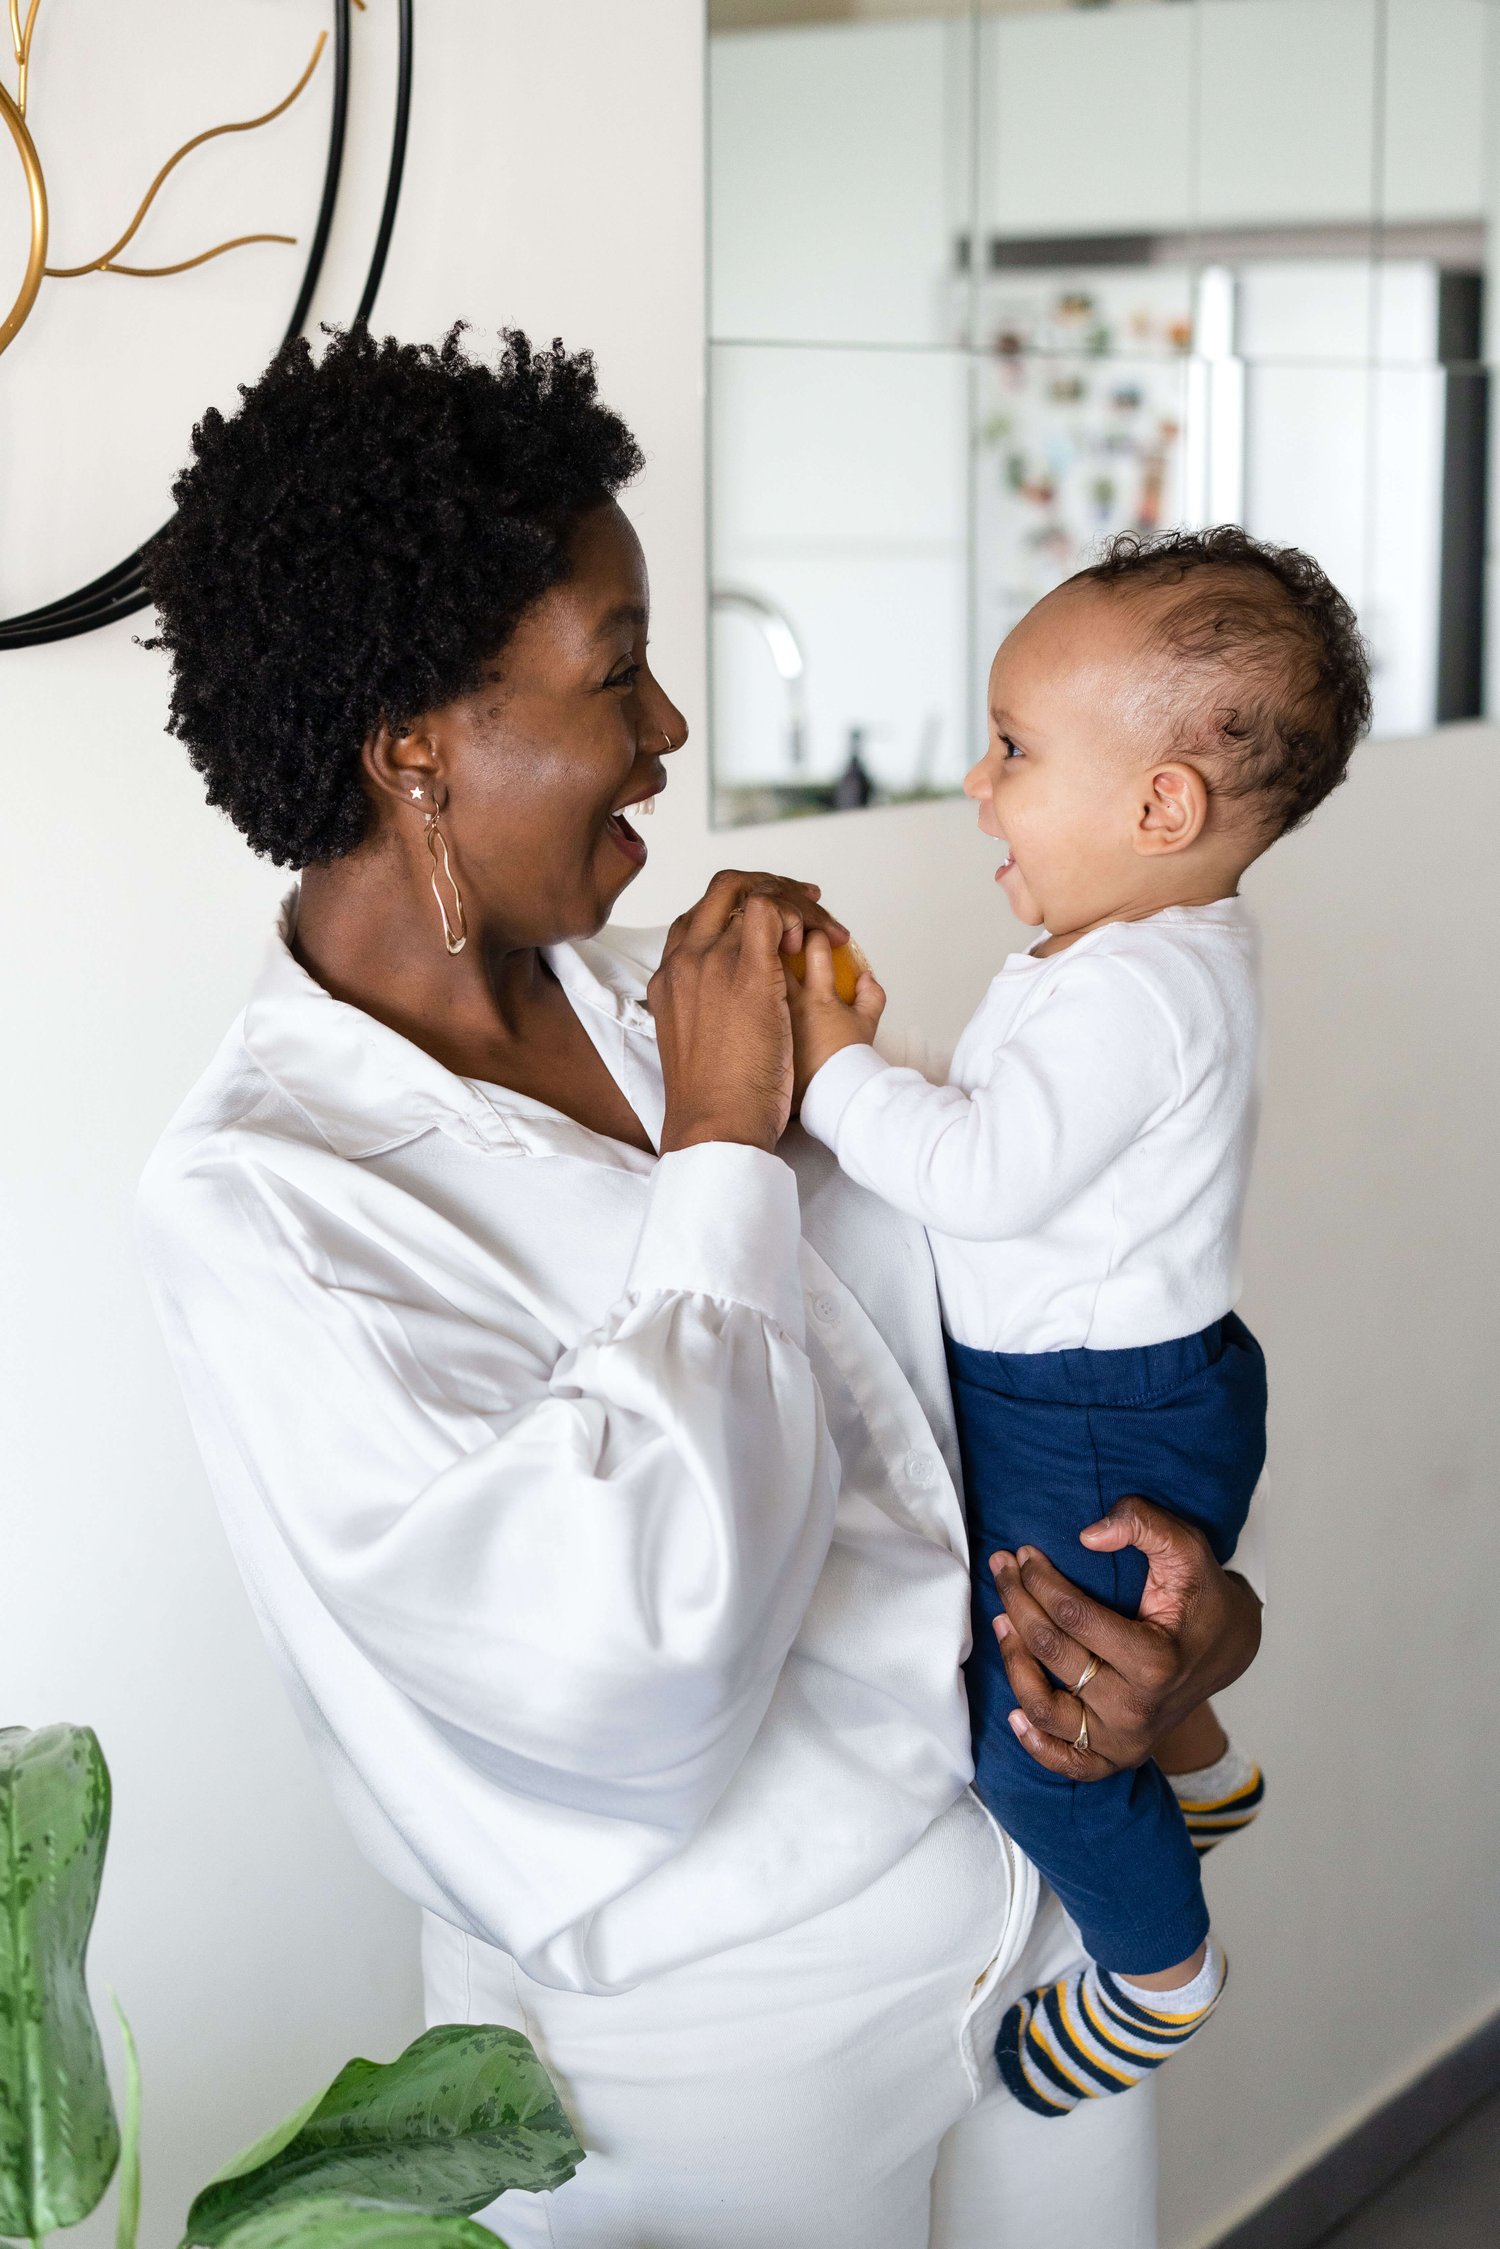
(1172, 810)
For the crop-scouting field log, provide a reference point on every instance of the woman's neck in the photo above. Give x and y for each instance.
(373, 943)
(495, 1011)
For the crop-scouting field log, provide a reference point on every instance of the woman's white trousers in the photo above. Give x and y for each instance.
(833, 2087)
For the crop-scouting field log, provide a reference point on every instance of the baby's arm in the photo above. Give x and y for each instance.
(1093, 1066)
(821, 1023)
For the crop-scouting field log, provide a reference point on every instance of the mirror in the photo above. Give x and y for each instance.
(990, 282)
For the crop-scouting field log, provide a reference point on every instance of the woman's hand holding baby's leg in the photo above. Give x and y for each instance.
(1198, 1628)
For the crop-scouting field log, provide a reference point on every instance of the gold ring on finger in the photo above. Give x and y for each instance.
(1088, 1672)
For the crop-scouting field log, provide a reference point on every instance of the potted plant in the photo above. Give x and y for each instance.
(394, 2155)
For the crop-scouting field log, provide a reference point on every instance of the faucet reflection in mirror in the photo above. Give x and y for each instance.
(786, 654)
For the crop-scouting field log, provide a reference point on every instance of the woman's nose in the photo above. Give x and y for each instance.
(661, 737)
(664, 730)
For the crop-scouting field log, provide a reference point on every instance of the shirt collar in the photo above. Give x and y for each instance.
(368, 1089)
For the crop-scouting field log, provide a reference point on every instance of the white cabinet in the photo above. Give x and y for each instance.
(840, 180)
(1085, 121)
(1234, 113)
(1439, 56)
(1287, 112)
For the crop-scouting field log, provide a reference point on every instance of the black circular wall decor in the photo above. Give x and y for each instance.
(120, 592)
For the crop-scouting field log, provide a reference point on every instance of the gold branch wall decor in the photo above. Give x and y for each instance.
(13, 113)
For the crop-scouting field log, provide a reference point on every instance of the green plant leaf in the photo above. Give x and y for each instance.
(128, 2200)
(464, 2114)
(269, 2144)
(334, 2221)
(58, 2138)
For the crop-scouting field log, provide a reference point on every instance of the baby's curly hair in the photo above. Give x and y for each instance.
(1279, 672)
(356, 545)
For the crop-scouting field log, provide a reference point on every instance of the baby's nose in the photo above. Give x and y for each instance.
(977, 783)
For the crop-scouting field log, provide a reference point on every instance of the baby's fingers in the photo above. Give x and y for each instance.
(869, 1000)
(818, 967)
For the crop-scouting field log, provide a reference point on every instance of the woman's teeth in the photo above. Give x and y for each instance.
(645, 808)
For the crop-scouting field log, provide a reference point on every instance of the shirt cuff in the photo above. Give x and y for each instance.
(723, 1220)
(831, 1090)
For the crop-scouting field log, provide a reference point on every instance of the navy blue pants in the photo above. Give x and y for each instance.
(1050, 1440)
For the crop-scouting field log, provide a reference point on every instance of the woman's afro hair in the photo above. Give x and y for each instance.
(355, 546)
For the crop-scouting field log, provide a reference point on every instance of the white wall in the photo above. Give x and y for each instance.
(1362, 1911)
(556, 180)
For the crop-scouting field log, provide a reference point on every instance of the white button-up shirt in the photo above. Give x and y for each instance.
(1083, 1171)
(599, 1509)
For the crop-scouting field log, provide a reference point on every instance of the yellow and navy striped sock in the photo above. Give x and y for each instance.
(1219, 1800)
(1091, 2034)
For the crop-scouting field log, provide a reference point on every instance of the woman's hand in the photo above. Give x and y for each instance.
(722, 1020)
(1198, 1628)
(796, 902)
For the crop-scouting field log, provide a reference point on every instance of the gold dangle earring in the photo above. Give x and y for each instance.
(456, 929)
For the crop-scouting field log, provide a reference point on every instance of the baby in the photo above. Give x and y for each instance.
(1154, 726)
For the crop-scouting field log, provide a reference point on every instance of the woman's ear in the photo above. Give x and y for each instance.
(1172, 811)
(407, 767)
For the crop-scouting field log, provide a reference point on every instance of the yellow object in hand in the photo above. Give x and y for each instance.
(849, 964)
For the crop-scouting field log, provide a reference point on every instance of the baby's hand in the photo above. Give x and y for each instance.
(821, 1023)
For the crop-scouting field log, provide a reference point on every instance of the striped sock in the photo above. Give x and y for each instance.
(1219, 1800)
(1092, 2033)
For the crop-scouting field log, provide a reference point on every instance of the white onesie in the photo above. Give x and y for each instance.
(1082, 1174)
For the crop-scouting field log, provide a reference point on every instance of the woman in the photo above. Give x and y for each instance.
(582, 1436)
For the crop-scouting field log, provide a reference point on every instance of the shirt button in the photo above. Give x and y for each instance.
(921, 1468)
(826, 1307)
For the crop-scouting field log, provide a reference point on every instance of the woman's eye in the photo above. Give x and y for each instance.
(626, 676)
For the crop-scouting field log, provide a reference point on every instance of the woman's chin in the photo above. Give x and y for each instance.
(612, 873)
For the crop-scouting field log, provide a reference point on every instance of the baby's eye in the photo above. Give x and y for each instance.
(1011, 749)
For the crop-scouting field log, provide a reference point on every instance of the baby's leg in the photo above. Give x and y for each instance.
(1050, 1442)
(1219, 1789)
(1094, 2033)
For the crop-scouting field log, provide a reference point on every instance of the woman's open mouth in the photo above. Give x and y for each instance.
(633, 845)
(641, 803)
(630, 841)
